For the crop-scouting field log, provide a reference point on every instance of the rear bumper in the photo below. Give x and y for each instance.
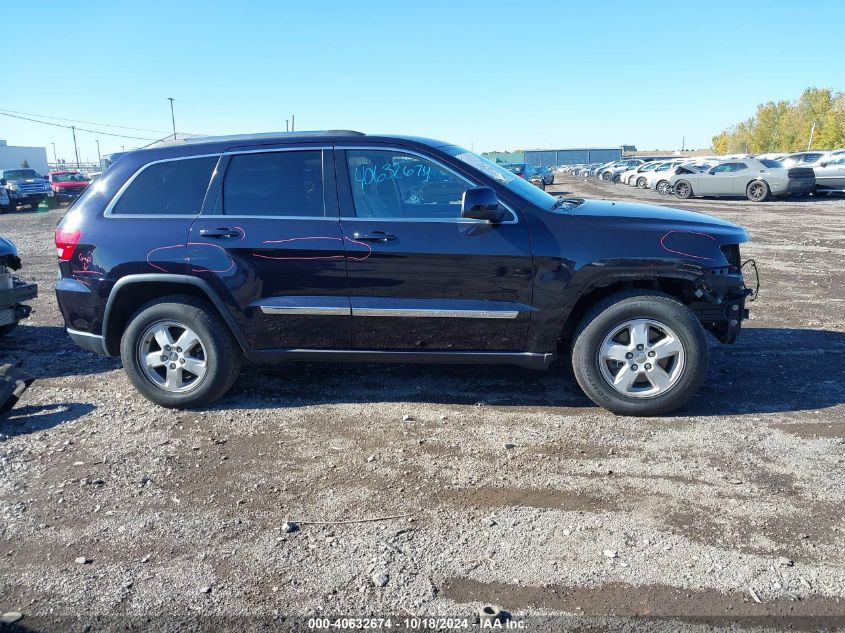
(801, 185)
(90, 342)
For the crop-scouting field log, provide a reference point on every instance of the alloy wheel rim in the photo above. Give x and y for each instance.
(172, 356)
(641, 358)
(757, 191)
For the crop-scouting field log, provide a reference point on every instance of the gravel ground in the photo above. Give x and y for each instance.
(507, 486)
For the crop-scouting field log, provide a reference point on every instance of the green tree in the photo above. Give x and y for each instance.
(786, 126)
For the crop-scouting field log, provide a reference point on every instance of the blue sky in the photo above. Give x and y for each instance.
(491, 75)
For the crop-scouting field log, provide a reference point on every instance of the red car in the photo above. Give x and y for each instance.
(67, 185)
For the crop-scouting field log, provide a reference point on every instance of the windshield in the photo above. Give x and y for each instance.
(20, 174)
(70, 177)
(520, 187)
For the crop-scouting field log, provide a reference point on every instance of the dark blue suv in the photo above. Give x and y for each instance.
(192, 256)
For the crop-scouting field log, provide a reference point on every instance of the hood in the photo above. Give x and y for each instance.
(625, 214)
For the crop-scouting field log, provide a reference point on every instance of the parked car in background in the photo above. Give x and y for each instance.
(25, 187)
(611, 169)
(754, 179)
(67, 185)
(13, 291)
(547, 174)
(194, 256)
(658, 178)
(636, 176)
(830, 173)
(527, 172)
(5, 203)
(803, 159)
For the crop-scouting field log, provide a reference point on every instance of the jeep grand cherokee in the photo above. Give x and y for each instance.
(189, 257)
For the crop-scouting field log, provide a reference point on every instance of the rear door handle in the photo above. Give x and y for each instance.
(375, 236)
(219, 232)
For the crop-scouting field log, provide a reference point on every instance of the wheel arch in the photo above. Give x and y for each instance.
(675, 287)
(133, 291)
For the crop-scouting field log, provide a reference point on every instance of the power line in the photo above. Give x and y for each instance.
(68, 127)
(58, 118)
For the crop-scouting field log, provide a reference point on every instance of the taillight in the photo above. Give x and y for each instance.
(66, 243)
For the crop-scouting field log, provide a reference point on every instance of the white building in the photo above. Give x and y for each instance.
(13, 157)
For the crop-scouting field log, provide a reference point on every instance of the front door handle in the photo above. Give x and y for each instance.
(375, 236)
(219, 232)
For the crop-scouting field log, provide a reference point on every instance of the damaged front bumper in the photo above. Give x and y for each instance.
(719, 300)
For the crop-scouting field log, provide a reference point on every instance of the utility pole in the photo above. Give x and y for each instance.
(292, 119)
(75, 149)
(812, 131)
(287, 125)
(55, 160)
(172, 117)
(683, 143)
(99, 158)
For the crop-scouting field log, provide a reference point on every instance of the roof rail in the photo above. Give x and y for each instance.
(268, 135)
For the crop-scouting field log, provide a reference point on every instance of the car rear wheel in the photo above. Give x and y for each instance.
(757, 191)
(682, 189)
(640, 353)
(642, 183)
(178, 353)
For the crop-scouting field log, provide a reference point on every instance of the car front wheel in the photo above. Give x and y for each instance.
(640, 353)
(178, 353)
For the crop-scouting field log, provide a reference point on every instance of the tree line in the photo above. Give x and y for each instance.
(785, 126)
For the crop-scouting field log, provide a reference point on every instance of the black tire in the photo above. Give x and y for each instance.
(606, 176)
(7, 329)
(757, 191)
(617, 309)
(642, 183)
(683, 189)
(222, 355)
(52, 203)
(617, 179)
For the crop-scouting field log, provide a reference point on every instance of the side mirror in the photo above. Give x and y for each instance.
(823, 164)
(712, 172)
(481, 203)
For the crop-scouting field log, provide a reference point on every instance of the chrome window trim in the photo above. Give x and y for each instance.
(123, 216)
(431, 159)
(435, 313)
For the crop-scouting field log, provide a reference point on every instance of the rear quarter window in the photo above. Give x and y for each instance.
(173, 187)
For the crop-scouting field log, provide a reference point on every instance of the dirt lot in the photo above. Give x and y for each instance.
(737, 499)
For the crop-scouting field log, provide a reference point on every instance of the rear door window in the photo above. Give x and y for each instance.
(288, 184)
(173, 187)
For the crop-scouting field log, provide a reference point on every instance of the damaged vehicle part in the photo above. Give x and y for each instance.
(13, 291)
(13, 382)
